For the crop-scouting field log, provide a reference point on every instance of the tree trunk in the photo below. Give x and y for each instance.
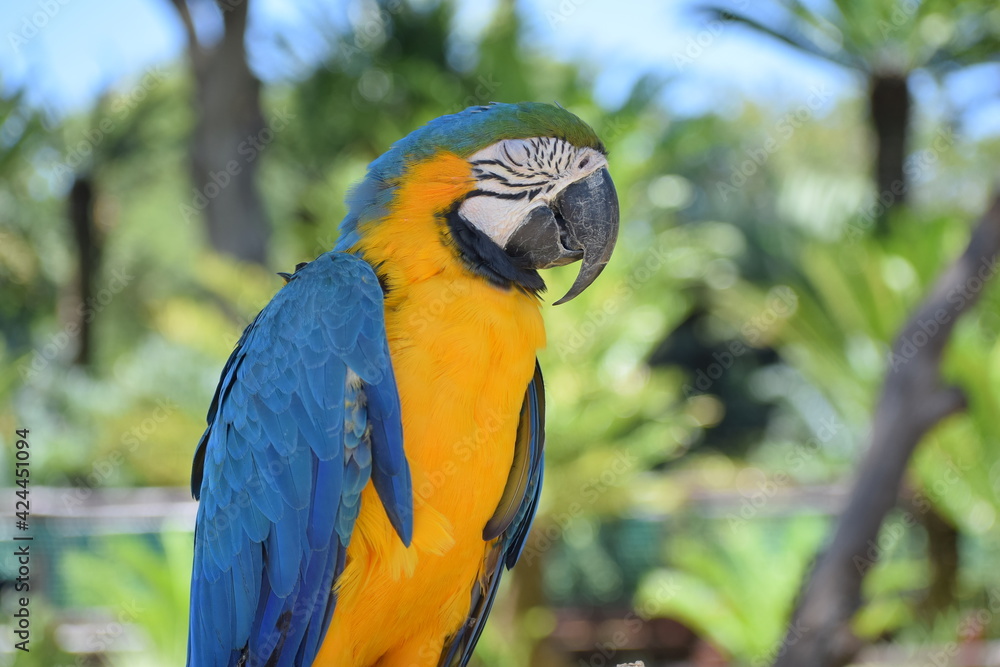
(229, 135)
(889, 107)
(942, 550)
(914, 399)
(80, 211)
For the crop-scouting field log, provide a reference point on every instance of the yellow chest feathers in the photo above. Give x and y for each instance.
(463, 350)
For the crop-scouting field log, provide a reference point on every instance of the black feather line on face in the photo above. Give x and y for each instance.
(485, 258)
(497, 195)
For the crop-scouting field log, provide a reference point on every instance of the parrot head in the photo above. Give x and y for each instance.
(526, 188)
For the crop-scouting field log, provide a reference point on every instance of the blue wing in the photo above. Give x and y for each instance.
(306, 412)
(510, 523)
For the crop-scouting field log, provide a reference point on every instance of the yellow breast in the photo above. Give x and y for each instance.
(463, 352)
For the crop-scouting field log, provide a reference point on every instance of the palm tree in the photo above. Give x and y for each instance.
(884, 41)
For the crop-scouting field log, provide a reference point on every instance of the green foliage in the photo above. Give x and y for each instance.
(777, 270)
(734, 584)
(853, 298)
(141, 584)
(44, 648)
(886, 35)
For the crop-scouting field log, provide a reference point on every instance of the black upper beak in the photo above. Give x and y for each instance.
(582, 223)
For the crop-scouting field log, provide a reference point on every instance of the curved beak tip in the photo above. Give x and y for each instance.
(590, 206)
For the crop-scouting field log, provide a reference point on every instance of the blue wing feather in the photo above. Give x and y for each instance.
(390, 474)
(292, 439)
(513, 532)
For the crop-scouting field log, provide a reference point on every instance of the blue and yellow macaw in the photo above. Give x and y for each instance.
(373, 456)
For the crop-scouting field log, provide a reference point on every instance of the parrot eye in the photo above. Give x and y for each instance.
(544, 202)
(516, 176)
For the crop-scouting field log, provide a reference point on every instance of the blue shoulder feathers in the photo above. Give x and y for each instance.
(306, 412)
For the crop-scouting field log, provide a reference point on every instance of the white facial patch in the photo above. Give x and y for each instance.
(515, 176)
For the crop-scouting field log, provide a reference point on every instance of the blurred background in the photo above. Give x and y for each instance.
(793, 174)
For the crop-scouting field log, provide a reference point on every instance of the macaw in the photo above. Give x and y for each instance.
(373, 456)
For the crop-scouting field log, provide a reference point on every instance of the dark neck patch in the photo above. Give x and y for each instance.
(485, 258)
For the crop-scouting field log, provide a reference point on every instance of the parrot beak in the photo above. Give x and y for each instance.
(581, 224)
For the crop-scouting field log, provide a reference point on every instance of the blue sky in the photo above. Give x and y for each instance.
(83, 47)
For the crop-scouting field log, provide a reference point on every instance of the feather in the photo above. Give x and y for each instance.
(281, 467)
(511, 522)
